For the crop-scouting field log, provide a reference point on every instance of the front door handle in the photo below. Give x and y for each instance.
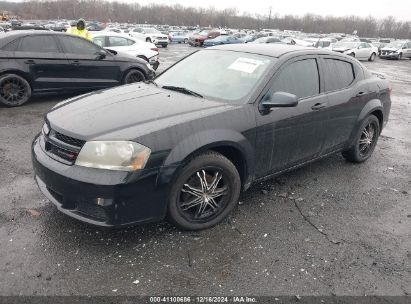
(75, 62)
(30, 61)
(318, 106)
(359, 94)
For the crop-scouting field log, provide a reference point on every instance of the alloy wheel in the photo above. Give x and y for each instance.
(367, 138)
(134, 77)
(204, 195)
(13, 91)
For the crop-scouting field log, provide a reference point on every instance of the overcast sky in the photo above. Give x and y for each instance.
(401, 9)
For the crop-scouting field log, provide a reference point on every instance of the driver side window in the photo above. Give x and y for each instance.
(80, 46)
(300, 78)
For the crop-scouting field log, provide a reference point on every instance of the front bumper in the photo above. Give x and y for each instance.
(389, 55)
(100, 197)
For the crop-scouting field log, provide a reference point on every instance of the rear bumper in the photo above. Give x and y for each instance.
(100, 197)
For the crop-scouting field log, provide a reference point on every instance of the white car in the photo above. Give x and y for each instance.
(397, 50)
(125, 44)
(149, 35)
(359, 50)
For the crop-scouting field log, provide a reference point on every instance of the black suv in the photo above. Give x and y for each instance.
(214, 123)
(45, 61)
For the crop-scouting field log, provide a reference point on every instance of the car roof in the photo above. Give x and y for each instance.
(13, 35)
(272, 50)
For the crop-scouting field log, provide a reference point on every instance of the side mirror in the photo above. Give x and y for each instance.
(278, 100)
(101, 54)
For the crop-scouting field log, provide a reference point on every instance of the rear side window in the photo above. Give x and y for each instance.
(119, 41)
(299, 78)
(339, 74)
(38, 44)
(11, 46)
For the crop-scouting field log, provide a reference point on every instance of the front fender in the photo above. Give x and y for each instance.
(206, 140)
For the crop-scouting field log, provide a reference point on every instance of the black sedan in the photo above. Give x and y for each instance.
(43, 61)
(184, 146)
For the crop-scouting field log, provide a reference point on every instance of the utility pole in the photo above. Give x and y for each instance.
(269, 19)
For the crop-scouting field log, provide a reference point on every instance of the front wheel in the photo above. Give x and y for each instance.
(204, 192)
(148, 40)
(399, 56)
(372, 57)
(133, 76)
(352, 55)
(14, 90)
(365, 141)
(186, 40)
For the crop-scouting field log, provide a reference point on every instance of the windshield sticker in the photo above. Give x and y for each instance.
(246, 65)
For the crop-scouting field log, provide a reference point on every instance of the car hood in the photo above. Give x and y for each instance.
(135, 109)
(389, 49)
(341, 49)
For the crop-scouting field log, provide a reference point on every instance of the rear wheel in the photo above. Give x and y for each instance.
(14, 90)
(204, 192)
(365, 141)
(148, 40)
(372, 57)
(133, 76)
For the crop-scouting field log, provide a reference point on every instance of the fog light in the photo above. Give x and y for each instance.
(103, 202)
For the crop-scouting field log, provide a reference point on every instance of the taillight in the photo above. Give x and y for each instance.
(154, 49)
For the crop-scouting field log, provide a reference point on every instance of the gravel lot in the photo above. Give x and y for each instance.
(331, 228)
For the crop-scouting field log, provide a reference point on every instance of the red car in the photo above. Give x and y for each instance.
(197, 39)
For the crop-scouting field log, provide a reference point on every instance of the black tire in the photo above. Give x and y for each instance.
(133, 76)
(148, 39)
(399, 56)
(352, 55)
(194, 205)
(186, 40)
(372, 57)
(14, 90)
(365, 142)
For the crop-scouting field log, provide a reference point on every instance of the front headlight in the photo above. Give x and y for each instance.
(113, 155)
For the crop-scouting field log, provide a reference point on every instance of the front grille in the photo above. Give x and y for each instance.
(69, 140)
(62, 147)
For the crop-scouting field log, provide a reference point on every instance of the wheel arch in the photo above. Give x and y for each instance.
(237, 149)
(26, 76)
(373, 107)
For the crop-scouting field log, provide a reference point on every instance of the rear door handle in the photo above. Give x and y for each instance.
(30, 61)
(359, 94)
(318, 106)
(75, 62)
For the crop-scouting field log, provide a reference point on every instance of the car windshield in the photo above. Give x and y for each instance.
(395, 45)
(348, 45)
(216, 74)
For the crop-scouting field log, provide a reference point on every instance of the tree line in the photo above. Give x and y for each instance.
(115, 11)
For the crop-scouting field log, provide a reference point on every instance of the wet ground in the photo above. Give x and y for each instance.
(331, 228)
